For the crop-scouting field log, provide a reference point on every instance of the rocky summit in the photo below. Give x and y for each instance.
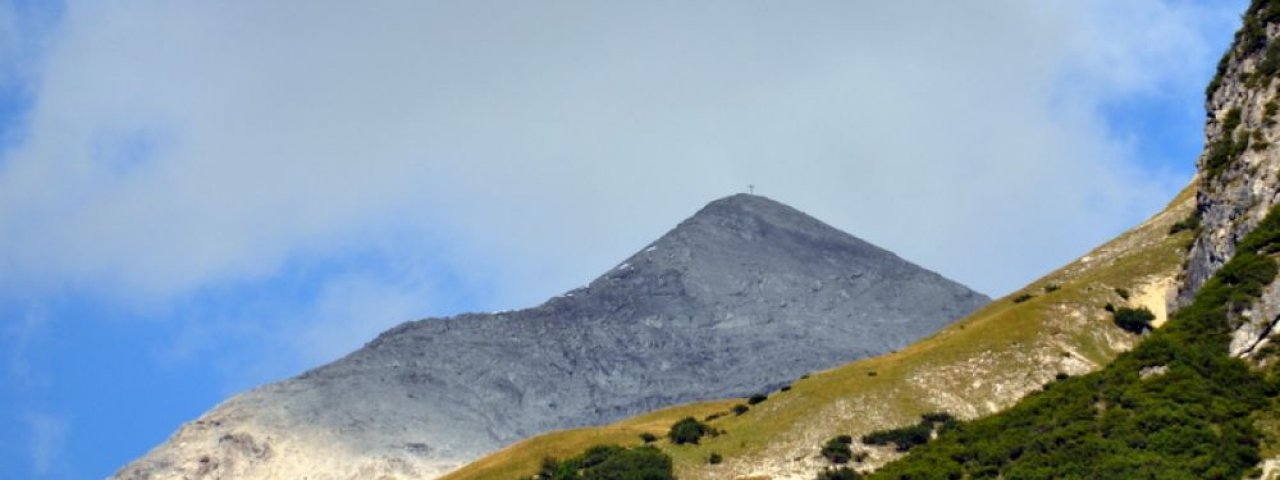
(742, 297)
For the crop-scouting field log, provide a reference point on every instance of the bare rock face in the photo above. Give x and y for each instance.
(740, 298)
(1239, 171)
(1237, 190)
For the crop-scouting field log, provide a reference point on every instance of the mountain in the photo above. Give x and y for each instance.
(974, 367)
(1046, 384)
(742, 297)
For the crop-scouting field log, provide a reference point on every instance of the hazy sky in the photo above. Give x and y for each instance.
(197, 197)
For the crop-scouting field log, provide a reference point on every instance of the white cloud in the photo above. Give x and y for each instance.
(46, 442)
(177, 146)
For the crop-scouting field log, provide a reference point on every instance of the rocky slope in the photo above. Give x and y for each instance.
(1240, 167)
(738, 299)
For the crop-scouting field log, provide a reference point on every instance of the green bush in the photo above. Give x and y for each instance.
(1134, 320)
(911, 436)
(1023, 297)
(647, 437)
(902, 438)
(1052, 287)
(1192, 223)
(610, 462)
(836, 451)
(715, 458)
(1226, 148)
(740, 409)
(756, 399)
(1123, 293)
(688, 430)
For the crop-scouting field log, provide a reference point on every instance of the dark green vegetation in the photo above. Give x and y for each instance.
(837, 450)
(1133, 320)
(688, 430)
(609, 462)
(757, 399)
(906, 438)
(715, 458)
(1252, 38)
(842, 473)
(1194, 421)
(647, 437)
(1022, 298)
(740, 409)
(1227, 148)
(1190, 223)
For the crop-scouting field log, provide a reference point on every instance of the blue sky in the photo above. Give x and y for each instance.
(199, 198)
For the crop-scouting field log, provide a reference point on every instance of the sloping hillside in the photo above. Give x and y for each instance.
(978, 365)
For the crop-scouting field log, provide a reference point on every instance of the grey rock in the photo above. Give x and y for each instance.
(741, 298)
(1233, 202)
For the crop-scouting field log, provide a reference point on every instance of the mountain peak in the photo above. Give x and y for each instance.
(741, 297)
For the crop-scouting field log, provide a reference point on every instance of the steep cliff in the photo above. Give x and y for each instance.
(1239, 171)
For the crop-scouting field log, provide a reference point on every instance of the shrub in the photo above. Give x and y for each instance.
(785, 388)
(837, 452)
(845, 439)
(648, 437)
(713, 416)
(1192, 222)
(1109, 307)
(603, 462)
(1122, 292)
(842, 473)
(740, 409)
(1135, 320)
(906, 438)
(715, 458)
(903, 438)
(1226, 148)
(1052, 287)
(1023, 297)
(756, 399)
(688, 430)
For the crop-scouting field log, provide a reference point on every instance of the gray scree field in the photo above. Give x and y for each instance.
(743, 297)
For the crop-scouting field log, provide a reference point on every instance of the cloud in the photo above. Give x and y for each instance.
(175, 147)
(47, 440)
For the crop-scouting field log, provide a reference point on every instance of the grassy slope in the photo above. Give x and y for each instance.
(976, 366)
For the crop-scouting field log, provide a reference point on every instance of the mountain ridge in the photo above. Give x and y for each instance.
(716, 307)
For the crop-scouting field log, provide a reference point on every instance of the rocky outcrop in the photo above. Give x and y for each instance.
(740, 298)
(1239, 171)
